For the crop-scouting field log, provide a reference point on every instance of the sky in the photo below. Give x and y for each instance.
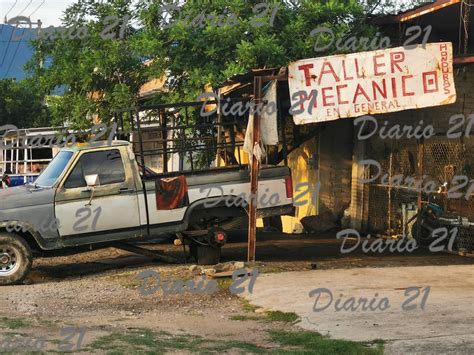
(49, 11)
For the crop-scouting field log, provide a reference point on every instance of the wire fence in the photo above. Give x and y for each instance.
(411, 172)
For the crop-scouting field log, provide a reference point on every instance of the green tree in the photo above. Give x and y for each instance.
(395, 6)
(188, 46)
(193, 43)
(21, 104)
(98, 74)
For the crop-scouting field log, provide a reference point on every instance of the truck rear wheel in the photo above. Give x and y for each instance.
(15, 259)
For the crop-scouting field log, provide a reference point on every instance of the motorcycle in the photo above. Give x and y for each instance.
(431, 217)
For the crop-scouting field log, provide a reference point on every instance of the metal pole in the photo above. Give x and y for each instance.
(254, 167)
(421, 156)
(389, 215)
(219, 130)
(164, 138)
(142, 160)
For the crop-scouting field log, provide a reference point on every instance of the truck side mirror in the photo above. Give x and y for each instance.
(91, 181)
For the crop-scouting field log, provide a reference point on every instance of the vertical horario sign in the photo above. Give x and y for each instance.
(352, 85)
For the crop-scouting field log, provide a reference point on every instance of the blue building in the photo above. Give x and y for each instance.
(15, 51)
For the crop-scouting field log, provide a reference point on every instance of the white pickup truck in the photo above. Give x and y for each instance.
(94, 196)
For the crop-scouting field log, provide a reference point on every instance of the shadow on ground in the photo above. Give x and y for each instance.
(275, 252)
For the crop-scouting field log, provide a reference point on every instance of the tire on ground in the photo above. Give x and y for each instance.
(16, 259)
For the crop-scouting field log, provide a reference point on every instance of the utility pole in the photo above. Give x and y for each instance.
(254, 168)
(40, 56)
(254, 163)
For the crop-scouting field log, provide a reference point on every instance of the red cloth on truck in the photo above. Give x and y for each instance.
(171, 193)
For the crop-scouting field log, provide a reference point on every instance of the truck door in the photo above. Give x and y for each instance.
(109, 211)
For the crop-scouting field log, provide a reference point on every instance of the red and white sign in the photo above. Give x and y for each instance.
(351, 85)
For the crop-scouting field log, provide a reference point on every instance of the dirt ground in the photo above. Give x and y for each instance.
(97, 294)
(436, 317)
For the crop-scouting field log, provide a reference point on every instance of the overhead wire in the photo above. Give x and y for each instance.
(39, 6)
(14, 55)
(11, 8)
(9, 42)
(8, 46)
(26, 7)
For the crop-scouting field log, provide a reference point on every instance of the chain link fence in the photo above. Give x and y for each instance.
(410, 173)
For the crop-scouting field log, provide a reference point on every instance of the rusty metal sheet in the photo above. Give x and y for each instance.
(389, 80)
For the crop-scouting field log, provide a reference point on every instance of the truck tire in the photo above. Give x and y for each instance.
(15, 259)
(206, 255)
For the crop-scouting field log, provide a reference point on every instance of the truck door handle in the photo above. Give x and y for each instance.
(125, 190)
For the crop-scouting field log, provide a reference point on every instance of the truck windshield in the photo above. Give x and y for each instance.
(52, 172)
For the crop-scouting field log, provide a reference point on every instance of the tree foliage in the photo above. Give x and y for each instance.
(21, 104)
(194, 52)
(98, 75)
(194, 44)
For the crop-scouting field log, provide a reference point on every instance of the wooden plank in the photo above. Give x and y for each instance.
(254, 167)
(463, 60)
(227, 273)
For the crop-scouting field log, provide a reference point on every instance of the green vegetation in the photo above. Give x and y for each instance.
(241, 317)
(104, 69)
(102, 75)
(248, 307)
(146, 341)
(314, 343)
(277, 316)
(21, 104)
(224, 283)
(138, 341)
(270, 316)
(13, 323)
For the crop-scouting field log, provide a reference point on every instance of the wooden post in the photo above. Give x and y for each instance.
(164, 139)
(421, 156)
(390, 168)
(254, 168)
(142, 160)
(219, 130)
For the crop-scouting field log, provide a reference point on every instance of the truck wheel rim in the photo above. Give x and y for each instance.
(9, 261)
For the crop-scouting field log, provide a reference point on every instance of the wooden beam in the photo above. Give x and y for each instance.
(274, 77)
(254, 168)
(463, 60)
(438, 5)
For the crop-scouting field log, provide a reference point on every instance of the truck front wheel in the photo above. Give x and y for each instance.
(15, 259)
